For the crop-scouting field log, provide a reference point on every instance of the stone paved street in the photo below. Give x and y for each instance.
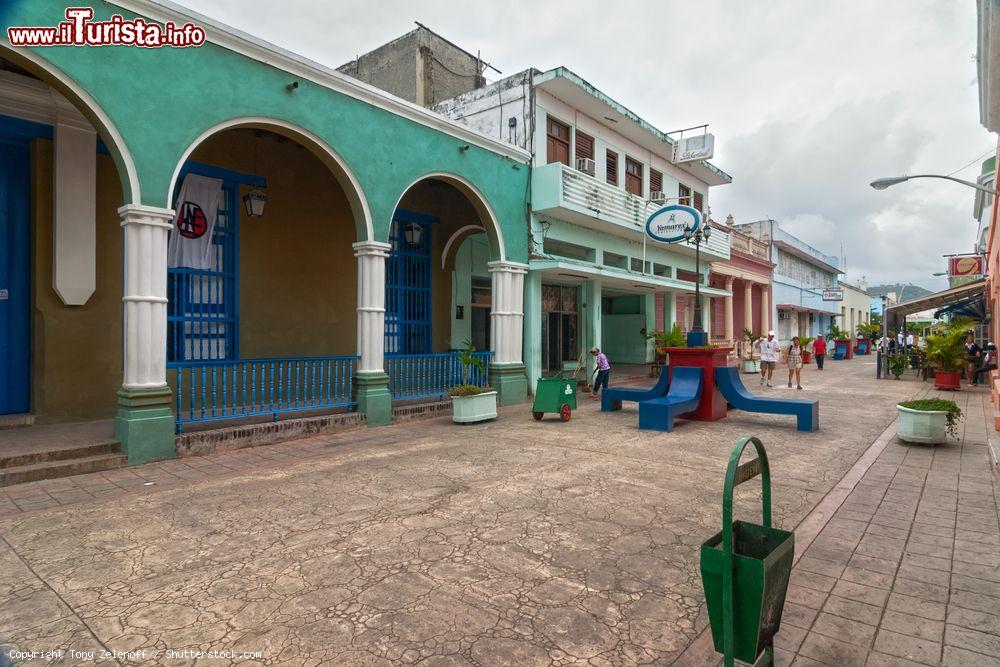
(515, 542)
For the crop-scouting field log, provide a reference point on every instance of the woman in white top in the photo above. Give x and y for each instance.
(795, 363)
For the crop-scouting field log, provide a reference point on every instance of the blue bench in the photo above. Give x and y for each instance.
(658, 414)
(732, 388)
(611, 398)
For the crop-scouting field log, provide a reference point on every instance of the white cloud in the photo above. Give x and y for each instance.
(809, 101)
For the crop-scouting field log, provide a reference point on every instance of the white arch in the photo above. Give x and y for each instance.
(355, 195)
(462, 231)
(466, 186)
(119, 147)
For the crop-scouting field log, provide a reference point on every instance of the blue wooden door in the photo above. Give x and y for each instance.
(14, 282)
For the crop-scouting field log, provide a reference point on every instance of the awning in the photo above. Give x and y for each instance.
(966, 300)
(938, 300)
(570, 272)
(806, 309)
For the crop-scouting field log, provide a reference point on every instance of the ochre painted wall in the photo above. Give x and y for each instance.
(76, 350)
(298, 274)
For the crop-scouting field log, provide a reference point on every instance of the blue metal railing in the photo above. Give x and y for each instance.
(431, 375)
(216, 390)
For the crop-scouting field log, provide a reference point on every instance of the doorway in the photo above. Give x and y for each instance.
(14, 279)
(560, 331)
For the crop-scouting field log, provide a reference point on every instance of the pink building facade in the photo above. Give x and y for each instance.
(747, 277)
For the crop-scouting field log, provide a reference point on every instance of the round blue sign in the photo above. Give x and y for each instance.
(667, 225)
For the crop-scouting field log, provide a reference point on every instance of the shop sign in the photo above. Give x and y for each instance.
(667, 225)
(831, 294)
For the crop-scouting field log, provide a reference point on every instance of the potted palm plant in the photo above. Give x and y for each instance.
(664, 339)
(867, 332)
(842, 347)
(928, 421)
(946, 351)
(472, 402)
(749, 363)
(805, 341)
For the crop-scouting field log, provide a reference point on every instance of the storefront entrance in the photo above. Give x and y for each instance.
(559, 326)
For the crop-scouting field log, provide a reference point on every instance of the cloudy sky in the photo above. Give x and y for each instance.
(808, 101)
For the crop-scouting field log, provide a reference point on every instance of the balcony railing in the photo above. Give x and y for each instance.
(219, 390)
(431, 375)
(559, 186)
(750, 246)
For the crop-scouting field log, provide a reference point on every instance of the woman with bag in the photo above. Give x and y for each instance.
(794, 360)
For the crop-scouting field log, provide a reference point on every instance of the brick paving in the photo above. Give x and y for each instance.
(516, 542)
(907, 571)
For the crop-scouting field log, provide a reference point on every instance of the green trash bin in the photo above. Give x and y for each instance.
(745, 569)
(555, 394)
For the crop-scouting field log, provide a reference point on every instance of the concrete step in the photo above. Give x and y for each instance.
(36, 455)
(59, 468)
(16, 421)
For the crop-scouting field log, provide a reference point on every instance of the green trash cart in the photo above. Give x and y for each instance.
(555, 394)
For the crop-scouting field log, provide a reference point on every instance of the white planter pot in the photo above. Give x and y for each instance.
(750, 365)
(470, 409)
(927, 427)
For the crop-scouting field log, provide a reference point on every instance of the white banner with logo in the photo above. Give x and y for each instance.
(197, 207)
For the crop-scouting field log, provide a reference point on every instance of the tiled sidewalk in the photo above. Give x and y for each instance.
(908, 569)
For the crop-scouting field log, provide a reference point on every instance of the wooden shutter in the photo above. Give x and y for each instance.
(633, 176)
(699, 201)
(557, 143)
(655, 181)
(612, 163)
(584, 146)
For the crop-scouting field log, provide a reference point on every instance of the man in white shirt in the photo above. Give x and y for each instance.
(909, 341)
(769, 350)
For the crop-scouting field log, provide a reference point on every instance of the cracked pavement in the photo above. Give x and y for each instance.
(507, 543)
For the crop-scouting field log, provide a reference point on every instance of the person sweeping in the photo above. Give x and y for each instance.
(602, 371)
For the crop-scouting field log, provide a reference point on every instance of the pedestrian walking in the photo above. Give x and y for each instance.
(819, 351)
(973, 353)
(989, 362)
(794, 356)
(769, 351)
(602, 371)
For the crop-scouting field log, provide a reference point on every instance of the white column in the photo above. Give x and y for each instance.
(729, 311)
(145, 294)
(507, 313)
(371, 304)
(748, 308)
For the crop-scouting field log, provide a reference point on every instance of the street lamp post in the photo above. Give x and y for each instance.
(883, 183)
(697, 336)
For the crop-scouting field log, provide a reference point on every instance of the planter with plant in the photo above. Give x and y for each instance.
(946, 351)
(843, 346)
(470, 402)
(749, 363)
(664, 339)
(867, 332)
(897, 364)
(804, 343)
(929, 421)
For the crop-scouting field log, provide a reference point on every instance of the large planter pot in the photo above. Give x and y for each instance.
(750, 365)
(471, 409)
(805, 357)
(947, 380)
(922, 426)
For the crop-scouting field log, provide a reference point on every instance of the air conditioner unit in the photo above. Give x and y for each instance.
(586, 165)
(657, 197)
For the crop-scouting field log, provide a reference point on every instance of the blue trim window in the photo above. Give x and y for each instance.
(203, 309)
(408, 284)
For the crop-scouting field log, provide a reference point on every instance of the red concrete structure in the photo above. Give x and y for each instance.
(712, 406)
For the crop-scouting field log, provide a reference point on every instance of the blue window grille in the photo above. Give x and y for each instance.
(203, 308)
(408, 284)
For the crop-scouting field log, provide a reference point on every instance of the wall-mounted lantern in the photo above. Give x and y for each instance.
(413, 232)
(255, 200)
